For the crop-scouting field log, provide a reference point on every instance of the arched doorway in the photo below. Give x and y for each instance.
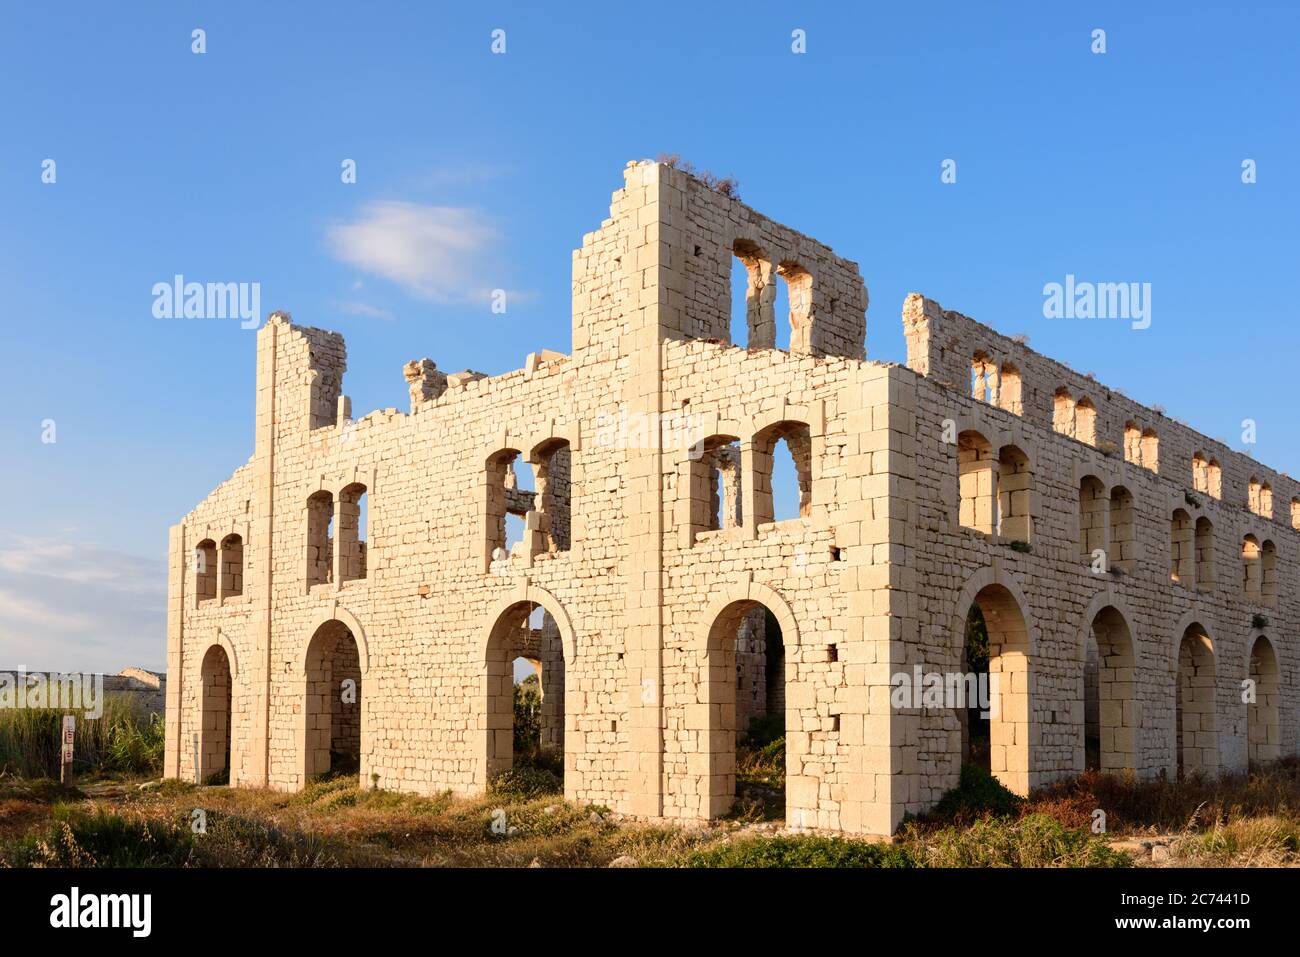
(1263, 727)
(996, 654)
(525, 671)
(1195, 724)
(216, 686)
(332, 706)
(742, 706)
(1110, 709)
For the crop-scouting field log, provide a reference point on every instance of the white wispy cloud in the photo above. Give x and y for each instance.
(438, 253)
(78, 606)
(355, 307)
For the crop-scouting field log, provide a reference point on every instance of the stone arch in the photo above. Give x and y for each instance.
(1264, 714)
(1121, 537)
(1063, 412)
(216, 697)
(230, 566)
(1012, 640)
(335, 613)
(229, 647)
(1015, 493)
(1009, 389)
(552, 461)
(205, 571)
(1193, 616)
(1093, 516)
(535, 595)
(319, 722)
(1196, 724)
(983, 376)
(494, 730)
(749, 591)
(760, 294)
(976, 482)
(1110, 683)
(499, 497)
(990, 575)
(1085, 421)
(711, 717)
(711, 493)
(799, 281)
(797, 436)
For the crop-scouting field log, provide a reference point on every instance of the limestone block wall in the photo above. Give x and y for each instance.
(1058, 587)
(651, 544)
(819, 573)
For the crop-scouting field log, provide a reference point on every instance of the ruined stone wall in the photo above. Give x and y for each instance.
(1058, 584)
(650, 589)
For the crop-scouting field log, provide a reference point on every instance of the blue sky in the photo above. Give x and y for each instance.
(479, 171)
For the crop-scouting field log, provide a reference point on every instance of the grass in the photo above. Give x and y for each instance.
(760, 771)
(1035, 840)
(124, 739)
(521, 822)
(801, 851)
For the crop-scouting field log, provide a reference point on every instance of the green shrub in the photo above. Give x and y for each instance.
(801, 851)
(525, 782)
(528, 716)
(977, 794)
(763, 731)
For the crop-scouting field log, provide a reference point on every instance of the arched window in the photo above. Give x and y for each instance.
(1266, 500)
(1268, 574)
(1132, 443)
(320, 538)
(1250, 568)
(1200, 474)
(781, 491)
(1009, 390)
(1295, 513)
(1150, 450)
(1063, 412)
(1092, 517)
(753, 294)
(352, 532)
(504, 500)
(1014, 482)
(976, 482)
(205, 571)
(1085, 421)
(1180, 543)
(798, 283)
(1215, 474)
(1205, 576)
(1253, 496)
(713, 494)
(553, 472)
(983, 378)
(232, 566)
(1121, 529)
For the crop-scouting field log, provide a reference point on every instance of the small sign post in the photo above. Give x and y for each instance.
(68, 738)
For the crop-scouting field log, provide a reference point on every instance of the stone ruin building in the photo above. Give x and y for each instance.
(1134, 578)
